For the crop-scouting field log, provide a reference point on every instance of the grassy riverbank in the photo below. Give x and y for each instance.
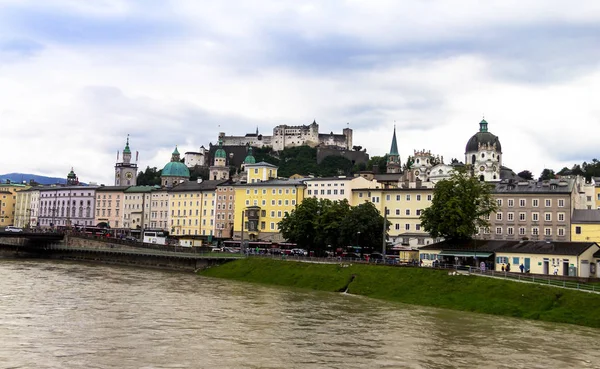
(423, 286)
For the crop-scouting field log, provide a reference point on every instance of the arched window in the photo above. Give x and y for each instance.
(473, 159)
(481, 178)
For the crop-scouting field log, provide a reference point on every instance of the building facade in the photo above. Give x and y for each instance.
(67, 206)
(109, 206)
(8, 202)
(532, 210)
(483, 154)
(136, 208)
(225, 211)
(336, 188)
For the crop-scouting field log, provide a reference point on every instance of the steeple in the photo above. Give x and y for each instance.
(72, 178)
(175, 155)
(394, 148)
(127, 152)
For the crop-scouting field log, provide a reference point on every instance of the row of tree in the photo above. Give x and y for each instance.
(321, 225)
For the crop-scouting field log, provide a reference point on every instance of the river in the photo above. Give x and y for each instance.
(71, 315)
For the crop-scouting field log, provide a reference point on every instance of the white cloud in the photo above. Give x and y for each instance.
(178, 73)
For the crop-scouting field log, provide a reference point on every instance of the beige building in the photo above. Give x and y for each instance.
(225, 210)
(575, 259)
(336, 188)
(109, 206)
(532, 210)
(137, 207)
(159, 209)
(403, 207)
(23, 208)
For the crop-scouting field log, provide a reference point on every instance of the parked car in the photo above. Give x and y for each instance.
(13, 229)
(131, 239)
(298, 252)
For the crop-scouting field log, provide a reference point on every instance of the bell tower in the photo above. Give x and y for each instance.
(125, 171)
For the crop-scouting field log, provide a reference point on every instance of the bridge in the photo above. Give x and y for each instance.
(107, 250)
(47, 236)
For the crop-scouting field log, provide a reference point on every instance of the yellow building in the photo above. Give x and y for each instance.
(8, 202)
(192, 211)
(403, 207)
(23, 208)
(585, 225)
(263, 205)
(597, 193)
(260, 172)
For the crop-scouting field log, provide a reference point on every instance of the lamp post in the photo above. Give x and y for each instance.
(358, 242)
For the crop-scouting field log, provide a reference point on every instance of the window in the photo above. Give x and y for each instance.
(418, 197)
(397, 197)
(428, 197)
(577, 230)
(407, 227)
(407, 197)
(498, 230)
(522, 231)
(561, 203)
(535, 231)
(548, 231)
(419, 211)
(387, 197)
(407, 211)
(535, 203)
(417, 227)
(522, 216)
(499, 202)
(561, 217)
(510, 216)
(511, 203)
(498, 216)
(397, 227)
(547, 217)
(397, 211)
(522, 203)
(535, 217)
(272, 226)
(510, 231)
(561, 231)
(548, 203)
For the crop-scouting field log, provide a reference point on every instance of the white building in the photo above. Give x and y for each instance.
(336, 188)
(484, 154)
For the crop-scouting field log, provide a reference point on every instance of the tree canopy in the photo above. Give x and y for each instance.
(320, 224)
(460, 205)
(149, 177)
(525, 174)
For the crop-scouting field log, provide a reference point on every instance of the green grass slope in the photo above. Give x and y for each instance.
(423, 286)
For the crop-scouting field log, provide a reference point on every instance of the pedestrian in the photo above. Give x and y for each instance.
(503, 267)
(555, 271)
(508, 267)
(522, 267)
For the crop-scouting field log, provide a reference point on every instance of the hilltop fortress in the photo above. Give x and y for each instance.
(285, 136)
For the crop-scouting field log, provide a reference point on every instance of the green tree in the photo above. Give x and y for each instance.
(378, 163)
(149, 177)
(301, 225)
(527, 175)
(409, 163)
(547, 174)
(335, 166)
(460, 205)
(364, 227)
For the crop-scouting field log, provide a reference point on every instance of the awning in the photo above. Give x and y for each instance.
(479, 254)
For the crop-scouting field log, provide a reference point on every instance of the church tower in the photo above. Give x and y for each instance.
(393, 162)
(219, 170)
(483, 154)
(72, 179)
(125, 172)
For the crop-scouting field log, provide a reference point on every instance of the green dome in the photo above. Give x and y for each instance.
(175, 169)
(220, 153)
(249, 158)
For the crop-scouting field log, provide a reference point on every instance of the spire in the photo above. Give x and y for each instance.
(175, 155)
(257, 130)
(394, 148)
(127, 150)
(483, 126)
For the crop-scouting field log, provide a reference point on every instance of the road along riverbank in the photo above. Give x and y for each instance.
(422, 286)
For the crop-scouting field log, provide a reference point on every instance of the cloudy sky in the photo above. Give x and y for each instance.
(77, 76)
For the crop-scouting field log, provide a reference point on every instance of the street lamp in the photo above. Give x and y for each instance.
(357, 241)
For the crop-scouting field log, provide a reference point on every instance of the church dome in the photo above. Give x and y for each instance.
(483, 137)
(250, 158)
(220, 153)
(175, 169)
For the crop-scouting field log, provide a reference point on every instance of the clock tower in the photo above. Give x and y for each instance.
(125, 172)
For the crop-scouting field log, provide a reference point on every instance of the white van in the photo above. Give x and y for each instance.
(13, 229)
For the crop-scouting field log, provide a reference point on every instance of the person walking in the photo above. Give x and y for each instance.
(508, 267)
(503, 269)
(522, 267)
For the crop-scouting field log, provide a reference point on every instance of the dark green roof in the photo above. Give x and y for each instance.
(220, 153)
(483, 137)
(249, 158)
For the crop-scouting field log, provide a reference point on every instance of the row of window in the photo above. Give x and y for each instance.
(398, 227)
(407, 197)
(273, 202)
(65, 194)
(534, 231)
(329, 192)
(273, 191)
(323, 185)
(534, 203)
(534, 217)
(398, 212)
